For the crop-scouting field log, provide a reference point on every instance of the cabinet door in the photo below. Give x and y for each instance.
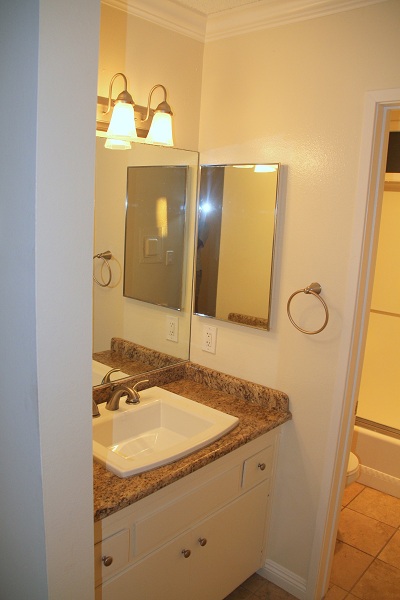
(235, 538)
(162, 575)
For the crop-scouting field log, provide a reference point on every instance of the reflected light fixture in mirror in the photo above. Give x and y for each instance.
(152, 126)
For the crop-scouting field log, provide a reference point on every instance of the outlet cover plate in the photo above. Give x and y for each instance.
(171, 333)
(209, 341)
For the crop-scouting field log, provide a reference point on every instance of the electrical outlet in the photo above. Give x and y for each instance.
(209, 339)
(172, 329)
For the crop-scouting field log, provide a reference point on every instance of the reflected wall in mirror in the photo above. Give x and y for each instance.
(139, 329)
(235, 242)
(155, 234)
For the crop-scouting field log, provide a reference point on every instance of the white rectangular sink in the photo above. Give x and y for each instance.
(99, 370)
(158, 431)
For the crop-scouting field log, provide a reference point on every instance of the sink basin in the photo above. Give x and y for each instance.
(99, 370)
(158, 431)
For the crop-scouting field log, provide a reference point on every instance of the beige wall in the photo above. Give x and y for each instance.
(295, 94)
(46, 212)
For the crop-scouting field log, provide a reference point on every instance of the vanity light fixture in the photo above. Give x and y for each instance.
(131, 122)
(123, 117)
(161, 126)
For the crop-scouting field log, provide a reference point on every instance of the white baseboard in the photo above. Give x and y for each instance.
(285, 579)
(379, 481)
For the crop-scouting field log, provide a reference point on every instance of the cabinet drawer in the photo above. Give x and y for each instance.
(257, 468)
(177, 516)
(115, 547)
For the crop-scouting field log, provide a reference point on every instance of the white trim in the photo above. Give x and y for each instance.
(245, 19)
(379, 481)
(285, 579)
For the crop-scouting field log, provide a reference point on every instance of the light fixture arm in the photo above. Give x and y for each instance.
(162, 107)
(124, 96)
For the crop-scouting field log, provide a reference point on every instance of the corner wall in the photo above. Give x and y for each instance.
(295, 94)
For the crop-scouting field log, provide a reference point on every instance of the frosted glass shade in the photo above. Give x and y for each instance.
(122, 124)
(161, 129)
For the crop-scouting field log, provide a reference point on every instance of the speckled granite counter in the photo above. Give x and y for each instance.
(258, 408)
(132, 358)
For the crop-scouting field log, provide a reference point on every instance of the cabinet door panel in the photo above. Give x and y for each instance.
(162, 575)
(234, 549)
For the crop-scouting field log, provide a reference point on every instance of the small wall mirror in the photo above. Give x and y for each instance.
(237, 210)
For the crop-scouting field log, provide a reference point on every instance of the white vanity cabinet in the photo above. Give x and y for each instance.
(198, 538)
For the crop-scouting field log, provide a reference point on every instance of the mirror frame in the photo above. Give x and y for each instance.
(254, 321)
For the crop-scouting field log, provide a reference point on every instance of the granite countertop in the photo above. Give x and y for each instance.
(258, 413)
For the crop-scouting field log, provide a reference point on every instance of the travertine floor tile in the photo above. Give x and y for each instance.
(391, 552)
(351, 492)
(377, 505)
(380, 582)
(335, 593)
(348, 565)
(363, 532)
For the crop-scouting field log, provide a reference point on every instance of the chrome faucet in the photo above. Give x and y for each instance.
(124, 390)
(106, 378)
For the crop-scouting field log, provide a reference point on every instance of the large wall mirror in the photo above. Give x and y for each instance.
(143, 323)
(235, 242)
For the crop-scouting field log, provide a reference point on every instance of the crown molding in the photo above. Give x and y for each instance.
(166, 14)
(237, 21)
(273, 13)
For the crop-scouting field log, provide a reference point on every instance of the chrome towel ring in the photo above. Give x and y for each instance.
(314, 289)
(105, 257)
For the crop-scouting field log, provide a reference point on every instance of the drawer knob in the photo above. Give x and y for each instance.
(202, 541)
(107, 560)
(261, 466)
(186, 553)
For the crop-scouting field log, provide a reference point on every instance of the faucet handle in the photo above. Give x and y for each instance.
(136, 397)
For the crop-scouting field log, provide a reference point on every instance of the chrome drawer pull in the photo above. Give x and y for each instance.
(261, 466)
(107, 560)
(186, 553)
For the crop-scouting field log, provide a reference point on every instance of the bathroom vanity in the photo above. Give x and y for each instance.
(196, 528)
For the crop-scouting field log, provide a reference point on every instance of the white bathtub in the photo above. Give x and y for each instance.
(379, 457)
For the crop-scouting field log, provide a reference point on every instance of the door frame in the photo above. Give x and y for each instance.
(373, 151)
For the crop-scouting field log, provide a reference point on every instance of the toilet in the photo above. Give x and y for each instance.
(353, 469)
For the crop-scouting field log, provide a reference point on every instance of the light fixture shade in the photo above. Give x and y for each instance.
(122, 124)
(161, 129)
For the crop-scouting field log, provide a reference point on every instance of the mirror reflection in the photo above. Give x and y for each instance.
(130, 334)
(235, 242)
(155, 234)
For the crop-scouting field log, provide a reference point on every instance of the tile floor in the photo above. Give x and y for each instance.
(366, 564)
